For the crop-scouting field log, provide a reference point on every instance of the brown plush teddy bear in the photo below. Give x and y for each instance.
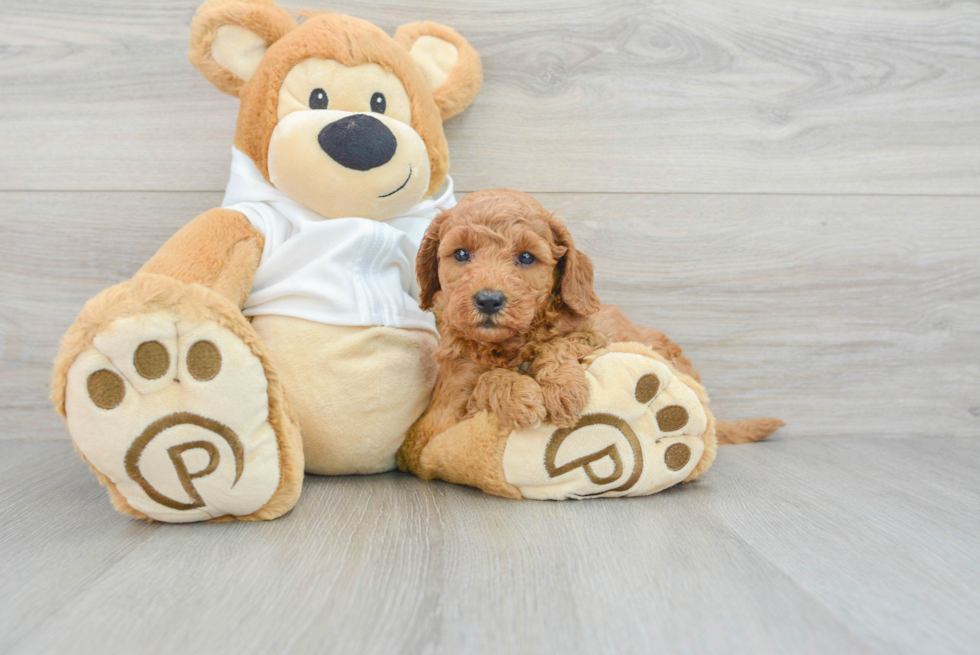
(262, 338)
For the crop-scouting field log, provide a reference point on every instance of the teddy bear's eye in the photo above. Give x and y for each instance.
(462, 255)
(525, 259)
(318, 99)
(378, 103)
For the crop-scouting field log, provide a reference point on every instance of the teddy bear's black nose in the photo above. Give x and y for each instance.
(358, 141)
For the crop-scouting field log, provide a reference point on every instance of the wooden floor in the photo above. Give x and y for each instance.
(855, 545)
(790, 189)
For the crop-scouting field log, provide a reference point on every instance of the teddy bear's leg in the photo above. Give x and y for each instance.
(469, 453)
(171, 397)
(355, 390)
(645, 428)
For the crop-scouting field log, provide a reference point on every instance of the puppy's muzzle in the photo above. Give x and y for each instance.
(489, 301)
(359, 142)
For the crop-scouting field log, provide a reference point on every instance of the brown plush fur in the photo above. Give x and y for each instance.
(469, 453)
(147, 293)
(227, 251)
(551, 320)
(263, 17)
(457, 92)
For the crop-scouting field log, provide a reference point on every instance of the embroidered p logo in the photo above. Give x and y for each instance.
(586, 461)
(176, 454)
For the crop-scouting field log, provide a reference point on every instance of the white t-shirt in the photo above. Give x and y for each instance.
(339, 271)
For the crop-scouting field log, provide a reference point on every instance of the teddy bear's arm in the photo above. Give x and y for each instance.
(219, 249)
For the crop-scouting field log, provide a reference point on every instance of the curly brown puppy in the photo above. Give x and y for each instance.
(516, 309)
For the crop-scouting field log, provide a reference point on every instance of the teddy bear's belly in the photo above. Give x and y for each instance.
(355, 390)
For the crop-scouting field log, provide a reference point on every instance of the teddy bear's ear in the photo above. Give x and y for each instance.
(229, 38)
(449, 63)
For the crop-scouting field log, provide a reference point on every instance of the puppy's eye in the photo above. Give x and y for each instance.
(378, 103)
(318, 99)
(526, 259)
(462, 255)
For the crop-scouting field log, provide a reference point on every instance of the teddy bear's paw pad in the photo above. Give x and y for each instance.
(176, 414)
(640, 433)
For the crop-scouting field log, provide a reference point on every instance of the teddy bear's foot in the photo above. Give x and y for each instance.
(645, 428)
(171, 407)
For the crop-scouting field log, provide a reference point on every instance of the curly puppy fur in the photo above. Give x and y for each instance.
(518, 354)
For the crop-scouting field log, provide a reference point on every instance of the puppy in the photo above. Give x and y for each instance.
(516, 310)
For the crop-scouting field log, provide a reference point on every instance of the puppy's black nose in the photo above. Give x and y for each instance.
(358, 141)
(489, 302)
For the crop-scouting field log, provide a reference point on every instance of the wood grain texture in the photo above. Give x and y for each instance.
(845, 316)
(832, 97)
(833, 546)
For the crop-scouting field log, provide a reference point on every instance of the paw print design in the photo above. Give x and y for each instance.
(643, 430)
(176, 414)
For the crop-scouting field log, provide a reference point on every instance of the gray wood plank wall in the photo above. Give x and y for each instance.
(789, 189)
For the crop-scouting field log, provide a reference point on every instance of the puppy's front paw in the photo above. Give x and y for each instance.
(524, 406)
(566, 396)
(517, 400)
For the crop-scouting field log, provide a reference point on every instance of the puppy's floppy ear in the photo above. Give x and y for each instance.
(427, 261)
(449, 63)
(230, 37)
(574, 274)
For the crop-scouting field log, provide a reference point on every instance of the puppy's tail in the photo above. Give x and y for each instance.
(747, 431)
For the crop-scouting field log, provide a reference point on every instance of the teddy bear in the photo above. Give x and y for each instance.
(281, 332)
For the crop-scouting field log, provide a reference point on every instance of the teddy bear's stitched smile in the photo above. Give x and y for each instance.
(402, 186)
